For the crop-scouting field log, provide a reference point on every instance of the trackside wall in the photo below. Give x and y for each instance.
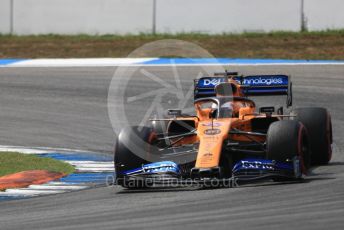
(82, 16)
(5, 16)
(324, 14)
(24, 17)
(218, 16)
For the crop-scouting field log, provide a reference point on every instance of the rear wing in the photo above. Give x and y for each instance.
(252, 85)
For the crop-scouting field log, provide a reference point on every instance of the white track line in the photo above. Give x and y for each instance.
(92, 164)
(22, 150)
(61, 183)
(240, 64)
(38, 150)
(30, 192)
(89, 162)
(57, 187)
(78, 62)
(79, 169)
(140, 62)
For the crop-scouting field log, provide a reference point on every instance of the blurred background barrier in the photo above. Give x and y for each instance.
(78, 16)
(324, 14)
(218, 16)
(24, 17)
(5, 16)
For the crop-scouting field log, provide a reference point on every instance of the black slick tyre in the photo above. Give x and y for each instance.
(286, 140)
(129, 142)
(319, 127)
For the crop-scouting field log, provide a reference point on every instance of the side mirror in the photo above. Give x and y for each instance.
(269, 109)
(174, 112)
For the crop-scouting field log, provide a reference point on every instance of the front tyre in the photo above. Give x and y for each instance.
(129, 142)
(287, 140)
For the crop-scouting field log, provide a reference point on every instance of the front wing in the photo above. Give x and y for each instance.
(250, 169)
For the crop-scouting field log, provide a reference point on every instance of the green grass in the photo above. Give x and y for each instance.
(13, 162)
(176, 36)
(287, 45)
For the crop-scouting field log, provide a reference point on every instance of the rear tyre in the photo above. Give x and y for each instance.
(130, 140)
(319, 127)
(286, 140)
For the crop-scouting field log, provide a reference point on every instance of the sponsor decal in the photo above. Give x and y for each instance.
(211, 138)
(160, 167)
(206, 158)
(214, 124)
(268, 80)
(210, 82)
(208, 154)
(263, 81)
(160, 170)
(212, 131)
(256, 165)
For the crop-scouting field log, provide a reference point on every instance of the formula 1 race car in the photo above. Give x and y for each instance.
(227, 138)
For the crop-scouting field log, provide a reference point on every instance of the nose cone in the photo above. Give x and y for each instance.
(211, 134)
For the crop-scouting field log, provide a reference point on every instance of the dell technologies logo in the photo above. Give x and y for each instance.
(263, 81)
(211, 82)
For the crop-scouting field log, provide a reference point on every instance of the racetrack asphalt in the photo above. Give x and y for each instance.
(67, 107)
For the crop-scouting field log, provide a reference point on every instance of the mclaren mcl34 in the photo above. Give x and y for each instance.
(227, 138)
